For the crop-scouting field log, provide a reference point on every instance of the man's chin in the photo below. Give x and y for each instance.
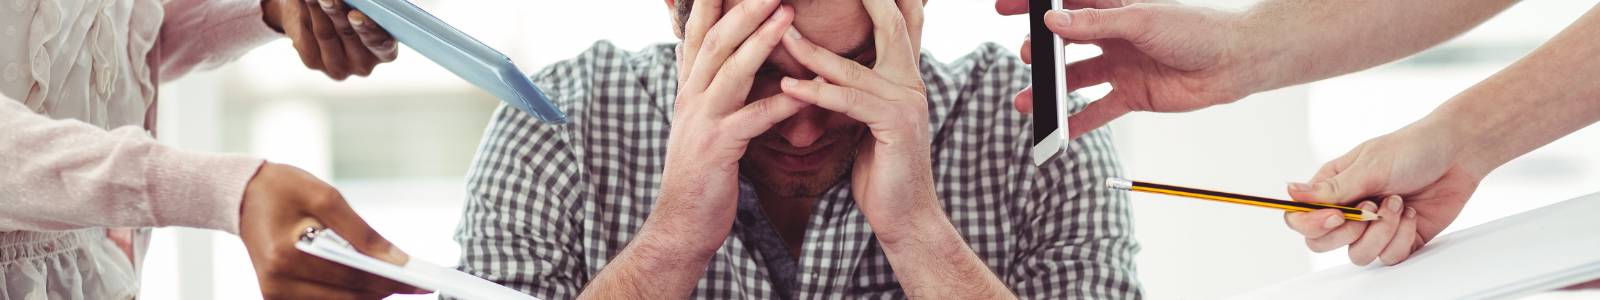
(794, 183)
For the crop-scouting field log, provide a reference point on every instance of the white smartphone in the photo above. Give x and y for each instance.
(1049, 85)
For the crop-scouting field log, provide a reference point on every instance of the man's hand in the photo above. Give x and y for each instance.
(1422, 173)
(331, 37)
(892, 180)
(712, 125)
(711, 128)
(1159, 57)
(893, 173)
(280, 202)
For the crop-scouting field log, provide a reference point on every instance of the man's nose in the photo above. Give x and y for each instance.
(804, 128)
(787, 65)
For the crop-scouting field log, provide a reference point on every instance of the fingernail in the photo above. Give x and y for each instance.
(1299, 187)
(1393, 203)
(1368, 206)
(1333, 221)
(326, 4)
(792, 34)
(1411, 213)
(358, 22)
(395, 253)
(1058, 18)
(788, 82)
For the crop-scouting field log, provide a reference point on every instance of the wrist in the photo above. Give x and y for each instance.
(1258, 64)
(1463, 140)
(662, 251)
(913, 228)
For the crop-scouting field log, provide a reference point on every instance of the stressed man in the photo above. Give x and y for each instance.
(792, 149)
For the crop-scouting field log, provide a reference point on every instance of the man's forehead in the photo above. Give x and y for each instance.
(838, 25)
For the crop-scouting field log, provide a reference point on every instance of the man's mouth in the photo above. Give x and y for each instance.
(799, 159)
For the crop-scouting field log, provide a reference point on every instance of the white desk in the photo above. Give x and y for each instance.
(1540, 250)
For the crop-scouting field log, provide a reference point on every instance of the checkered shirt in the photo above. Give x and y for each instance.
(549, 205)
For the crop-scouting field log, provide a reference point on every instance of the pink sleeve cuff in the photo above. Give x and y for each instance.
(197, 189)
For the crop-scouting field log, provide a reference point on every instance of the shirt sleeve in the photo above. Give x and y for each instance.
(204, 34)
(519, 227)
(1082, 233)
(66, 174)
(1076, 239)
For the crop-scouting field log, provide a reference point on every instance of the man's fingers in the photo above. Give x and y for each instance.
(360, 60)
(1097, 114)
(1341, 236)
(1405, 240)
(735, 77)
(891, 37)
(1024, 100)
(332, 48)
(833, 67)
(1017, 7)
(755, 118)
(857, 104)
(1027, 50)
(911, 11)
(725, 37)
(702, 16)
(1314, 224)
(1011, 7)
(1379, 233)
(376, 39)
(1127, 23)
(1088, 72)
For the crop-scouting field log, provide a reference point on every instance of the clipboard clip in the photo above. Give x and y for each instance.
(318, 236)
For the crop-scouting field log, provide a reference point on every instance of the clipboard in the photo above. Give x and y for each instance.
(328, 245)
(461, 54)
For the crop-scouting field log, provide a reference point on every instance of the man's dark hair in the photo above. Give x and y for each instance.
(684, 8)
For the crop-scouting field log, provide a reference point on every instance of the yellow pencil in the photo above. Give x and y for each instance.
(1350, 213)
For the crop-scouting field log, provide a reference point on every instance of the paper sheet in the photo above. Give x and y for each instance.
(416, 272)
(1535, 251)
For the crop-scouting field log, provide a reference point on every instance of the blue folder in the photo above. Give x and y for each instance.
(461, 54)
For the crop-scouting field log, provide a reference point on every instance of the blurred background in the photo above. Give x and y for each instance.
(398, 143)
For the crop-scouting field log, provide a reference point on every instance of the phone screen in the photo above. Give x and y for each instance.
(1049, 75)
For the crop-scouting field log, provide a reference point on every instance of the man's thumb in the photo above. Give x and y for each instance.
(1096, 24)
(1344, 188)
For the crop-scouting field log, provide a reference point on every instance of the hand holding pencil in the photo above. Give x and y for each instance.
(1423, 163)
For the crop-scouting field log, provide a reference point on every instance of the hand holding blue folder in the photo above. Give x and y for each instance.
(461, 54)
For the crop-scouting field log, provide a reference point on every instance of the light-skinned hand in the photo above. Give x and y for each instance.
(1157, 55)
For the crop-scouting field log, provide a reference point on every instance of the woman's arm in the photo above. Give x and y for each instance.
(204, 34)
(1545, 96)
(65, 174)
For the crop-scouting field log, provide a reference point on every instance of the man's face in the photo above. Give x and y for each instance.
(806, 154)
